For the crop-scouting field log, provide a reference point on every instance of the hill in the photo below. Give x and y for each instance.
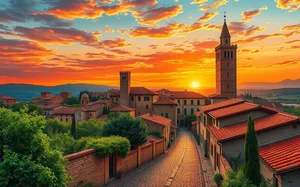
(271, 92)
(270, 85)
(25, 92)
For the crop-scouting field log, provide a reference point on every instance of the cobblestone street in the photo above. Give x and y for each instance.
(179, 167)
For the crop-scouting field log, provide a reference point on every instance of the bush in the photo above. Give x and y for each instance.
(135, 130)
(27, 159)
(107, 145)
(218, 178)
(27, 108)
(54, 126)
(236, 179)
(155, 133)
(65, 143)
(90, 128)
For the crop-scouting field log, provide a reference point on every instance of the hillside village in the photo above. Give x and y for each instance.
(218, 123)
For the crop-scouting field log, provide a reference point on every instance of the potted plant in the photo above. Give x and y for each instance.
(218, 178)
(120, 174)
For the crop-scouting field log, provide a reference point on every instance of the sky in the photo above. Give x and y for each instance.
(164, 43)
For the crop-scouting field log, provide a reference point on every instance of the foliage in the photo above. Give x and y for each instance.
(251, 158)
(236, 179)
(292, 110)
(65, 143)
(236, 162)
(54, 126)
(218, 178)
(112, 115)
(135, 130)
(27, 108)
(71, 101)
(155, 133)
(247, 96)
(27, 159)
(106, 110)
(189, 119)
(73, 127)
(91, 127)
(107, 145)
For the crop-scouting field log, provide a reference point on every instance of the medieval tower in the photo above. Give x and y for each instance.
(226, 66)
(124, 88)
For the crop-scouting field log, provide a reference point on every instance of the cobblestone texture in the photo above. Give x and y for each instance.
(179, 167)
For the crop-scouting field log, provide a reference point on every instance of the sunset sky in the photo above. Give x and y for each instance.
(164, 43)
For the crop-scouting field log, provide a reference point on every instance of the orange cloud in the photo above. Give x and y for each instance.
(291, 5)
(215, 5)
(291, 27)
(248, 15)
(207, 16)
(249, 51)
(158, 14)
(109, 30)
(118, 42)
(241, 29)
(289, 62)
(295, 47)
(199, 1)
(292, 41)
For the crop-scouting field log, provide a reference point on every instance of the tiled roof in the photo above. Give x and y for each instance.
(6, 97)
(49, 107)
(261, 124)
(136, 91)
(222, 104)
(232, 110)
(186, 95)
(217, 96)
(156, 119)
(92, 108)
(122, 108)
(282, 156)
(165, 102)
(198, 113)
(65, 110)
(275, 105)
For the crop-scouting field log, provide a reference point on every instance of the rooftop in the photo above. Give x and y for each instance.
(186, 95)
(6, 97)
(49, 107)
(156, 119)
(136, 91)
(261, 124)
(282, 156)
(122, 108)
(222, 104)
(64, 110)
(165, 102)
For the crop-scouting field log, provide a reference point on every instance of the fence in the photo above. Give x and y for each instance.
(85, 167)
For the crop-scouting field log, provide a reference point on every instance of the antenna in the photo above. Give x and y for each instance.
(224, 17)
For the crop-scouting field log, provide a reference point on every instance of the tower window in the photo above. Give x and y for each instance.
(227, 64)
(226, 41)
(224, 54)
(228, 75)
(132, 98)
(124, 78)
(228, 54)
(228, 86)
(231, 54)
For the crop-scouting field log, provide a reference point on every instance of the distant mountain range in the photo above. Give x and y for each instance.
(25, 92)
(270, 85)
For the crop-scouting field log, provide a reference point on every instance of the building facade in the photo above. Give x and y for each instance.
(7, 100)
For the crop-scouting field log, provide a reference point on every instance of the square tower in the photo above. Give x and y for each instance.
(125, 79)
(226, 66)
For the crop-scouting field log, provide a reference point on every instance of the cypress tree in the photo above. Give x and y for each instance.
(251, 161)
(73, 127)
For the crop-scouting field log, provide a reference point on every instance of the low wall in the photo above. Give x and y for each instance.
(224, 166)
(159, 147)
(86, 167)
(147, 153)
(128, 163)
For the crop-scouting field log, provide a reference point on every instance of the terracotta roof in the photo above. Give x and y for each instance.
(156, 119)
(217, 96)
(122, 108)
(186, 95)
(50, 107)
(282, 156)
(165, 102)
(198, 113)
(222, 104)
(92, 108)
(136, 91)
(261, 124)
(275, 105)
(6, 97)
(65, 110)
(232, 110)
(99, 94)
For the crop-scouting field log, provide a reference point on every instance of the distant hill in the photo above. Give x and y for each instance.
(270, 85)
(25, 92)
(271, 92)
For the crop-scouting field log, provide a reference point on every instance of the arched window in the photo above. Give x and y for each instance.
(226, 41)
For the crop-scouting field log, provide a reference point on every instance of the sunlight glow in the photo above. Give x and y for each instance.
(195, 84)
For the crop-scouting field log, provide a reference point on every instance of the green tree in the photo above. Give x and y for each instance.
(64, 143)
(27, 159)
(236, 179)
(155, 133)
(189, 119)
(135, 130)
(27, 107)
(73, 127)
(90, 128)
(251, 158)
(72, 101)
(54, 126)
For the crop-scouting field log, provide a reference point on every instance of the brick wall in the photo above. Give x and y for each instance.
(128, 163)
(146, 152)
(266, 171)
(85, 167)
(159, 147)
(224, 166)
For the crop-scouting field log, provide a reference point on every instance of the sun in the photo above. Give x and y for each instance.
(195, 84)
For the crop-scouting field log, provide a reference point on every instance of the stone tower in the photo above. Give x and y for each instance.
(226, 66)
(84, 100)
(125, 79)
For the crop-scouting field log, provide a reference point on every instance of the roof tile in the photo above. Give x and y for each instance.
(156, 119)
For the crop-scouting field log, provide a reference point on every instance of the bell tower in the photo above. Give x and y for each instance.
(125, 79)
(226, 67)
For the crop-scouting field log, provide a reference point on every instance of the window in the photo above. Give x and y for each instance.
(147, 98)
(166, 115)
(60, 119)
(192, 111)
(226, 41)
(227, 74)
(162, 114)
(91, 114)
(224, 54)
(184, 102)
(185, 111)
(67, 119)
(211, 149)
(139, 98)
(146, 106)
(124, 78)
(132, 98)
(218, 161)
(178, 110)
(227, 86)
(295, 126)
(178, 101)
(227, 64)
(192, 102)
(139, 113)
(117, 99)
(198, 102)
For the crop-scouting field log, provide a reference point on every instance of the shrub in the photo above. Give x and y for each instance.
(27, 108)
(91, 128)
(107, 145)
(236, 179)
(155, 133)
(54, 126)
(218, 178)
(135, 130)
(65, 143)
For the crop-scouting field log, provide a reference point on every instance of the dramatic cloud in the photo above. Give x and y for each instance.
(291, 27)
(292, 41)
(158, 14)
(285, 63)
(215, 5)
(207, 16)
(199, 1)
(118, 42)
(291, 5)
(241, 29)
(109, 30)
(249, 14)
(249, 51)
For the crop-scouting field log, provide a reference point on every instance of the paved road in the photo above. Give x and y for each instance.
(179, 167)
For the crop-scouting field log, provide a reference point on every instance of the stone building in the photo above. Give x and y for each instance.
(49, 109)
(166, 108)
(85, 99)
(46, 98)
(7, 100)
(123, 109)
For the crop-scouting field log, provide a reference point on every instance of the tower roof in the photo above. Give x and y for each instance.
(225, 32)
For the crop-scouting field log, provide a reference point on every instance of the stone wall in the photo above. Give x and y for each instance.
(128, 163)
(147, 152)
